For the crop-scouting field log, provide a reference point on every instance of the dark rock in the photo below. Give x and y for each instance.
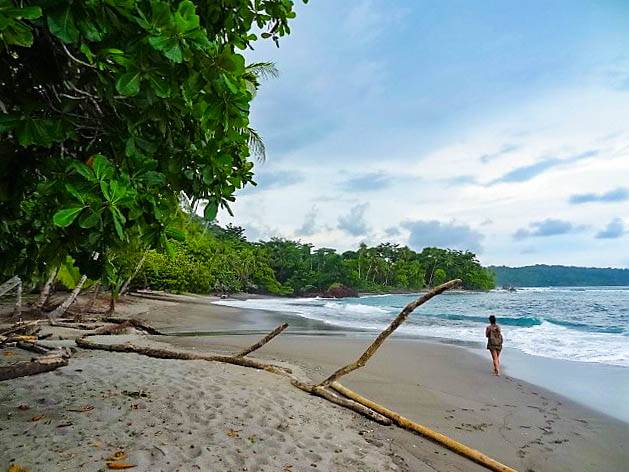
(339, 291)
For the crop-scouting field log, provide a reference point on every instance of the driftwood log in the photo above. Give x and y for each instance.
(399, 319)
(263, 341)
(33, 347)
(439, 438)
(181, 355)
(75, 325)
(241, 361)
(27, 328)
(141, 325)
(35, 366)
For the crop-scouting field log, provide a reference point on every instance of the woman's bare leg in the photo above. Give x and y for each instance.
(496, 361)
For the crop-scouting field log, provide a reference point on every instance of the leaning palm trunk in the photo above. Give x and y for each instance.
(44, 295)
(13, 283)
(61, 309)
(125, 287)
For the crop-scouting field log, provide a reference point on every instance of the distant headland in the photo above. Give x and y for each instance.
(542, 275)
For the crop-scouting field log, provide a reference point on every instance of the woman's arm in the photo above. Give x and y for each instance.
(487, 331)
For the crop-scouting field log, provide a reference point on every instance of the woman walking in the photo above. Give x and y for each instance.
(494, 342)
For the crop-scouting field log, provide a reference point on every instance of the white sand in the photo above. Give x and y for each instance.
(185, 415)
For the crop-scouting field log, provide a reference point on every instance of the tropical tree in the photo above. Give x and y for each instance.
(110, 111)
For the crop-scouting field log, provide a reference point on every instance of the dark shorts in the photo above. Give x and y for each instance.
(494, 348)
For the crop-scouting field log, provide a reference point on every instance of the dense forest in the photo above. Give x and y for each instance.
(214, 259)
(559, 276)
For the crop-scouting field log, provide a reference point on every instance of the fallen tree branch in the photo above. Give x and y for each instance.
(190, 356)
(442, 439)
(241, 361)
(35, 366)
(399, 319)
(263, 341)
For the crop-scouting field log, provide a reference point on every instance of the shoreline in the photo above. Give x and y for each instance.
(579, 435)
(447, 388)
(603, 393)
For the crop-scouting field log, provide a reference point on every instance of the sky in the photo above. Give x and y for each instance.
(500, 127)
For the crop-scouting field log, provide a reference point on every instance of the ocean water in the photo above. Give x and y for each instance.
(587, 324)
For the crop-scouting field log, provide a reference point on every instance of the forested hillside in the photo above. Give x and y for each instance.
(559, 276)
(215, 259)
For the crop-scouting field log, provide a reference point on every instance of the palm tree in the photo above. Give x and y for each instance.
(254, 74)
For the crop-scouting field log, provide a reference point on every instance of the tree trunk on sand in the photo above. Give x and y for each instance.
(36, 366)
(87, 308)
(112, 304)
(125, 287)
(44, 295)
(399, 319)
(242, 361)
(169, 354)
(61, 309)
(17, 310)
(439, 438)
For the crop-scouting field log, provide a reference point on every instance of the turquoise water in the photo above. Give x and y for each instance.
(588, 324)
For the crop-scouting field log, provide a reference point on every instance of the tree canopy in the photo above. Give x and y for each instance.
(211, 258)
(110, 111)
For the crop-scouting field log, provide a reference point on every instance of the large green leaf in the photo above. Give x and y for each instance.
(39, 132)
(169, 46)
(210, 211)
(62, 24)
(103, 169)
(129, 83)
(66, 216)
(89, 219)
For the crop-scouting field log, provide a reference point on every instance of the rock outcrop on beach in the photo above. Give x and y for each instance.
(339, 291)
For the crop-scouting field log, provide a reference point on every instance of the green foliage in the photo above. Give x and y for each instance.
(210, 259)
(109, 111)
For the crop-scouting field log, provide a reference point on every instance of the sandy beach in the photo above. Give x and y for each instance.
(197, 415)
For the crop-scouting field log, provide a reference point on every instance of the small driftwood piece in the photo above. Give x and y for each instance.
(399, 319)
(114, 328)
(28, 328)
(263, 341)
(35, 366)
(439, 438)
(33, 347)
(72, 325)
(135, 323)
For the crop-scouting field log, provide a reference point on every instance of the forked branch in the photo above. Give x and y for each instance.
(399, 319)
